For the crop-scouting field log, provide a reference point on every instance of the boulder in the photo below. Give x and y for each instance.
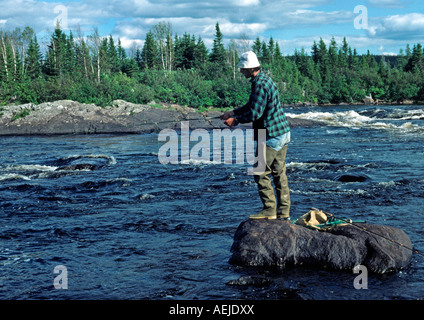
(270, 243)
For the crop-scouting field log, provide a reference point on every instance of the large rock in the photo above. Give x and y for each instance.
(280, 243)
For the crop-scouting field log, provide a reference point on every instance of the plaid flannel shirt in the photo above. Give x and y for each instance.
(264, 108)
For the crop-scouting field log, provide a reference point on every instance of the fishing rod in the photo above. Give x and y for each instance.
(156, 124)
(209, 119)
(348, 221)
(176, 120)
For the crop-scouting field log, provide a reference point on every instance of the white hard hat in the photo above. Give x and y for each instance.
(248, 60)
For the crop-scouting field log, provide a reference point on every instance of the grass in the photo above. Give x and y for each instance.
(22, 114)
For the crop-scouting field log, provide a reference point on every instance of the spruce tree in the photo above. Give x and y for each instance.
(33, 59)
(271, 49)
(257, 47)
(415, 62)
(200, 52)
(218, 54)
(112, 55)
(59, 53)
(138, 58)
(315, 52)
(265, 54)
(150, 52)
(122, 55)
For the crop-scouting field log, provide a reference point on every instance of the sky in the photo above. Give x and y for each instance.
(380, 26)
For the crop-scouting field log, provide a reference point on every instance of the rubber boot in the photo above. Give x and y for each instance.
(264, 214)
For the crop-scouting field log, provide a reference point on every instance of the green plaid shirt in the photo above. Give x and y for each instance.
(264, 108)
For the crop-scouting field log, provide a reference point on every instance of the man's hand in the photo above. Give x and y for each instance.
(226, 115)
(231, 122)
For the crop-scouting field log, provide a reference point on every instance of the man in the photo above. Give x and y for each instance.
(264, 110)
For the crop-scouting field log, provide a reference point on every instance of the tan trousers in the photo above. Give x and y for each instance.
(276, 166)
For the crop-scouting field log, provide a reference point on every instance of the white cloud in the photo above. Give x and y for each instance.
(245, 3)
(406, 26)
(131, 43)
(387, 3)
(389, 54)
(235, 29)
(300, 18)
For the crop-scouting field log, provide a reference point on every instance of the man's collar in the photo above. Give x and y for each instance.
(256, 77)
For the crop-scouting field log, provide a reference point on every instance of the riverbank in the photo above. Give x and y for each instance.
(70, 117)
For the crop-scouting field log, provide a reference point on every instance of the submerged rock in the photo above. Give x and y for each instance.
(279, 243)
(257, 281)
(351, 178)
(77, 167)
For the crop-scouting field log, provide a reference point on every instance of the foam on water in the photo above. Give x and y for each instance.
(13, 176)
(354, 119)
(29, 167)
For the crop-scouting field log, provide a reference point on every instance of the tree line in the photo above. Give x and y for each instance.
(180, 69)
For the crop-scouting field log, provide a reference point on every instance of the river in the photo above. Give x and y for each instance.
(123, 225)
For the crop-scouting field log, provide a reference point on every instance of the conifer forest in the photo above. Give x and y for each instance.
(180, 69)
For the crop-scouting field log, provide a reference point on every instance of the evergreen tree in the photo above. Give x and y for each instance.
(149, 53)
(354, 60)
(323, 60)
(218, 54)
(33, 59)
(415, 62)
(129, 67)
(257, 47)
(333, 53)
(265, 54)
(122, 57)
(277, 51)
(344, 54)
(59, 54)
(315, 52)
(105, 62)
(401, 60)
(186, 52)
(200, 53)
(271, 49)
(138, 58)
(51, 64)
(70, 54)
(111, 52)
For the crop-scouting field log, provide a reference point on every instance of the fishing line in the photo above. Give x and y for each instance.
(177, 120)
(157, 123)
(373, 233)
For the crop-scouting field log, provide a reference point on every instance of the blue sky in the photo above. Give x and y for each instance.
(391, 24)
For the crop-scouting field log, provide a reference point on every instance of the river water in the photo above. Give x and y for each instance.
(126, 226)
